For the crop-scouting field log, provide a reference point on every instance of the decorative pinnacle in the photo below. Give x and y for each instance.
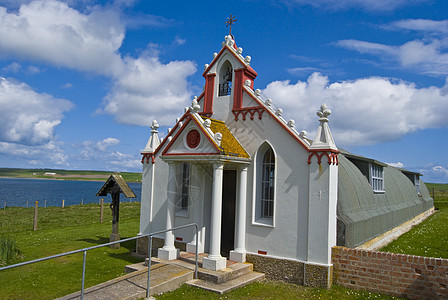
(230, 21)
(323, 113)
(154, 126)
(194, 104)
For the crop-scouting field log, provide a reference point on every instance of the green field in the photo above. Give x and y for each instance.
(67, 174)
(429, 238)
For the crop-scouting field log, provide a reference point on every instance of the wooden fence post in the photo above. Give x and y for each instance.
(63, 203)
(35, 215)
(101, 210)
(45, 204)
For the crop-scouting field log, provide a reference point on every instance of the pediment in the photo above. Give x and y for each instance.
(191, 139)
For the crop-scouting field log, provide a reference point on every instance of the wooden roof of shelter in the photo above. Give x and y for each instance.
(112, 183)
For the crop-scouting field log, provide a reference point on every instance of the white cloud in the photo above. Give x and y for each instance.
(52, 32)
(434, 174)
(428, 55)
(396, 165)
(149, 90)
(107, 142)
(144, 88)
(420, 25)
(365, 111)
(368, 5)
(28, 117)
(45, 155)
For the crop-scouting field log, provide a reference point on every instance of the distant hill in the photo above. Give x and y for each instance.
(67, 174)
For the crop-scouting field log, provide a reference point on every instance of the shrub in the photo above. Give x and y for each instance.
(8, 249)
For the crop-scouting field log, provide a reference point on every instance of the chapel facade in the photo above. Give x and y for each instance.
(259, 189)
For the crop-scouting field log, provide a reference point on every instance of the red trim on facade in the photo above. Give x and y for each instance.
(262, 252)
(212, 142)
(238, 89)
(332, 156)
(250, 110)
(209, 92)
(207, 115)
(179, 239)
(191, 154)
(187, 113)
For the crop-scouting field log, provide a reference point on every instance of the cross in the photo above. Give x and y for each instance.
(230, 21)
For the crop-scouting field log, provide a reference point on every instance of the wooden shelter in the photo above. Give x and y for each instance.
(115, 185)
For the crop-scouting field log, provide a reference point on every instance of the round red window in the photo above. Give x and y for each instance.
(193, 138)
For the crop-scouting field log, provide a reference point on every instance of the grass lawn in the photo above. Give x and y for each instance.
(272, 290)
(429, 238)
(62, 230)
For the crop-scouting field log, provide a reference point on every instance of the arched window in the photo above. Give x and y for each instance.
(267, 184)
(264, 186)
(225, 79)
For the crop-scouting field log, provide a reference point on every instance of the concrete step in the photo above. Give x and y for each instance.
(135, 267)
(187, 260)
(164, 278)
(229, 285)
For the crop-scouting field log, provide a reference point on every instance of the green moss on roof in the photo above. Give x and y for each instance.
(229, 144)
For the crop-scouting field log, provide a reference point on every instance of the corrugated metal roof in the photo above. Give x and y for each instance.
(112, 182)
(366, 214)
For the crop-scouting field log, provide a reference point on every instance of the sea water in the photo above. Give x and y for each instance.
(22, 192)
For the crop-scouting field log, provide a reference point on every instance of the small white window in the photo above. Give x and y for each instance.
(377, 178)
(417, 184)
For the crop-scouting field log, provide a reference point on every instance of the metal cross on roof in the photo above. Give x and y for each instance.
(230, 21)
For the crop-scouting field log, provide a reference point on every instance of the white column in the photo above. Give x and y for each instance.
(169, 252)
(196, 208)
(239, 254)
(215, 261)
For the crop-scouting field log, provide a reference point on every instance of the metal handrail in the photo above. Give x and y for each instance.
(84, 250)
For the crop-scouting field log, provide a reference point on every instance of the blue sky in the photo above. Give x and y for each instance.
(81, 80)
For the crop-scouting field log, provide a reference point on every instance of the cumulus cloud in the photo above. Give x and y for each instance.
(49, 154)
(368, 5)
(143, 88)
(149, 90)
(108, 142)
(103, 153)
(434, 173)
(365, 111)
(52, 32)
(28, 117)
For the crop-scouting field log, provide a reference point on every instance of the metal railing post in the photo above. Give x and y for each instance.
(83, 273)
(84, 250)
(149, 265)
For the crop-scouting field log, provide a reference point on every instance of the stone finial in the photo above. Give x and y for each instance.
(323, 139)
(206, 66)
(218, 138)
(268, 102)
(229, 41)
(291, 123)
(323, 113)
(169, 130)
(247, 82)
(154, 126)
(303, 134)
(279, 112)
(194, 104)
(258, 92)
(177, 120)
(214, 55)
(185, 109)
(154, 140)
(248, 59)
(207, 123)
(239, 50)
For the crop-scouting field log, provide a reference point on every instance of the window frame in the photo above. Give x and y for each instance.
(376, 178)
(258, 219)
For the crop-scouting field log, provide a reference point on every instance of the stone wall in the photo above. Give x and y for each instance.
(400, 275)
(291, 271)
